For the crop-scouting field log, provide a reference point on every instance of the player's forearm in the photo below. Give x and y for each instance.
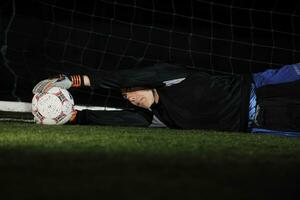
(154, 76)
(149, 77)
(141, 118)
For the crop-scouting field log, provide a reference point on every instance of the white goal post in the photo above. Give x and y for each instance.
(15, 106)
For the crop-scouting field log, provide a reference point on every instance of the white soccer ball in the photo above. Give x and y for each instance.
(54, 107)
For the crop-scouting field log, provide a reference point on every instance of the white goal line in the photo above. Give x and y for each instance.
(15, 106)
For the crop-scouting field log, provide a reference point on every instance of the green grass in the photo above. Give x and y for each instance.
(98, 162)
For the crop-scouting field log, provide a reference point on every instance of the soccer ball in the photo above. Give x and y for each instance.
(54, 107)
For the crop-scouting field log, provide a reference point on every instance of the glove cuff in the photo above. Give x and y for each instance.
(77, 80)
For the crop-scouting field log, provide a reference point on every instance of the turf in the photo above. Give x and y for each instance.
(100, 162)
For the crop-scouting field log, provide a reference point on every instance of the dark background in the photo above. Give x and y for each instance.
(42, 38)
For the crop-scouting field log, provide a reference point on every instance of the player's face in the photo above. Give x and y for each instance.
(141, 98)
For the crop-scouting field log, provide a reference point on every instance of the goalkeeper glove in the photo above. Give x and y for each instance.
(61, 81)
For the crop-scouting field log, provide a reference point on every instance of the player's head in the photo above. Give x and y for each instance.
(141, 97)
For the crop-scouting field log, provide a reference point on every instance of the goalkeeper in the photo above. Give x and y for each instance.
(184, 98)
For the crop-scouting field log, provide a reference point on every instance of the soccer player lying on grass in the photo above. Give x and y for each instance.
(185, 98)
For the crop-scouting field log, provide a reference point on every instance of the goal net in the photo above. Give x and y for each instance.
(42, 38)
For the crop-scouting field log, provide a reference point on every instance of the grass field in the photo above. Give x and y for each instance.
(95, 162)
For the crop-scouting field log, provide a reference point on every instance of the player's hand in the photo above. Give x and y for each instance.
(61, 81)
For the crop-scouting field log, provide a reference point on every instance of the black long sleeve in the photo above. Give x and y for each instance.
(149, 77)
(129, 117)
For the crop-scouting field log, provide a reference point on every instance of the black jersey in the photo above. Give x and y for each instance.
(200, 101)
(204, 101)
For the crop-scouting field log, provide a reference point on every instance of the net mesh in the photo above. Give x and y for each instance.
(41, 38)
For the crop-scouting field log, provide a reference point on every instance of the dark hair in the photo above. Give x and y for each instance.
(132, 89)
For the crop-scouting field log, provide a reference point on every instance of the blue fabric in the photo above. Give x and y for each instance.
(287, 73)
(252, 106)
(277, 133)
